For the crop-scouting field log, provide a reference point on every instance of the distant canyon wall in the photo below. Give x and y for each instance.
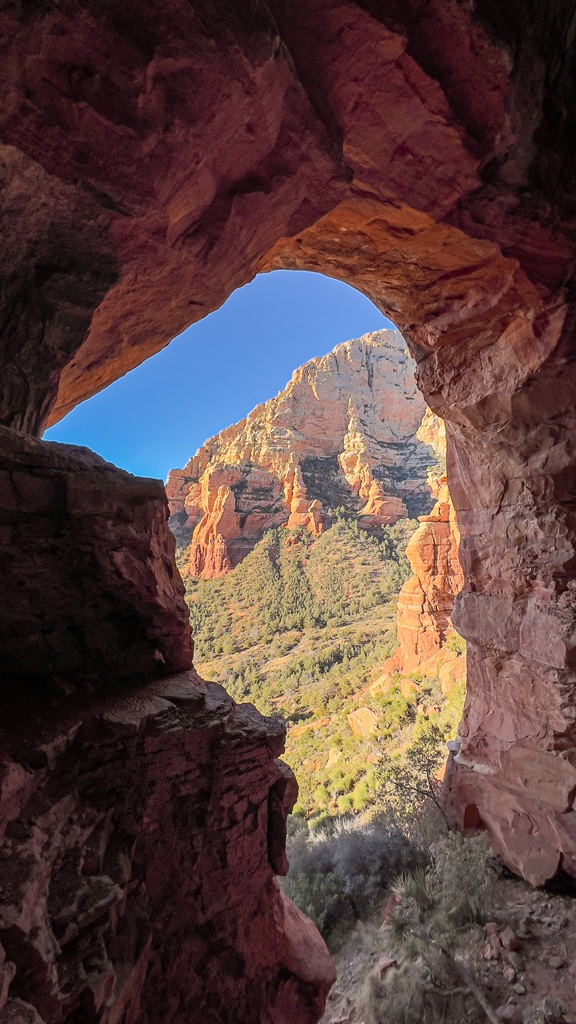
(346, 431)
(426, 601)
(350, 429)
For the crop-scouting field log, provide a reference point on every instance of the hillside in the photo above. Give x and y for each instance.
(291, 528)
(301, 629)
(344, 432)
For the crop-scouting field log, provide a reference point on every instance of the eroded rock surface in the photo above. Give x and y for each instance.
(515, 768)
(136, 882)
(87, 560)
(344, 432)
(426, 600)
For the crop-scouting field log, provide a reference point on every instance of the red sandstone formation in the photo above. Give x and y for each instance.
(344, 431)
(154, 156)
(144, 831)
(89, 565)
(426, 600)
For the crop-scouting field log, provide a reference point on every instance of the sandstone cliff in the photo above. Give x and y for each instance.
(426, 600)
(344, 431)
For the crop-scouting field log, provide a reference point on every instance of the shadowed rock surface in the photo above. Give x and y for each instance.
(89, 566)
(140, 832)
(155, 156)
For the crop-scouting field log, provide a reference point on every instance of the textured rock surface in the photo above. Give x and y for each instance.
(344, 431)
(515, 768)
(136, 885)
(194, 140)
(362, 722)
(426, 600)
(156, 154)
(88, 561)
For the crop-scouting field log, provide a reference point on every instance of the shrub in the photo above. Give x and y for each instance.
(319, 896)
(403, 996)
(461, 874)
(409, 782)
(457, 643)
(435, 905)
(360, 795)
(346, 864)
(344, 804)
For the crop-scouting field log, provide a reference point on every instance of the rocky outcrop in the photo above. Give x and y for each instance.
(426, 600)
(139, 839)
(343, 432)
(88, 561)
(140, 827)
(514, 770)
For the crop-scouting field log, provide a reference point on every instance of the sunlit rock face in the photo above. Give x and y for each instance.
(343, 433)
(156, 155)
(426, 600)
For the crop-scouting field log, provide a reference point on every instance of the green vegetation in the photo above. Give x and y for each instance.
(342, 868)
(339, 872)
(301, 628)
(291, 582)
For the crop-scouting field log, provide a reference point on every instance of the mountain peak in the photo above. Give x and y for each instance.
(343, 432)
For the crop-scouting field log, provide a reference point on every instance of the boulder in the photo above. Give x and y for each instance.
(88, 559)
(140, 837)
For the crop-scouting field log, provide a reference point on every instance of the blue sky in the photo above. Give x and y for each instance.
(153, 419)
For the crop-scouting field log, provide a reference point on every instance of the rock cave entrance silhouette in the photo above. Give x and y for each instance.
(347, 451)
(154, 157)
(348, 441)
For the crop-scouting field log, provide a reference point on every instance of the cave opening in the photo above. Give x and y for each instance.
(217, 370)
(291, 523)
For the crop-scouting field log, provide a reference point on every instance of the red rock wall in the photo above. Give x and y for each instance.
(88, 561)
(139, 839)
(426, 601)
(181, 140)
(139, 833)
(347, 427)
(232, 506)
(513, 472)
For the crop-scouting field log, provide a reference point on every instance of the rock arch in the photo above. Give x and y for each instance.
(154, 157)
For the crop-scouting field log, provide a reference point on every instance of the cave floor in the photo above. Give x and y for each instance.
(539, 986)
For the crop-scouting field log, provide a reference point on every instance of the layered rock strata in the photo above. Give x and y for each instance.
(426, 600)
(139, 840)
(139, 833)
(344, 432)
